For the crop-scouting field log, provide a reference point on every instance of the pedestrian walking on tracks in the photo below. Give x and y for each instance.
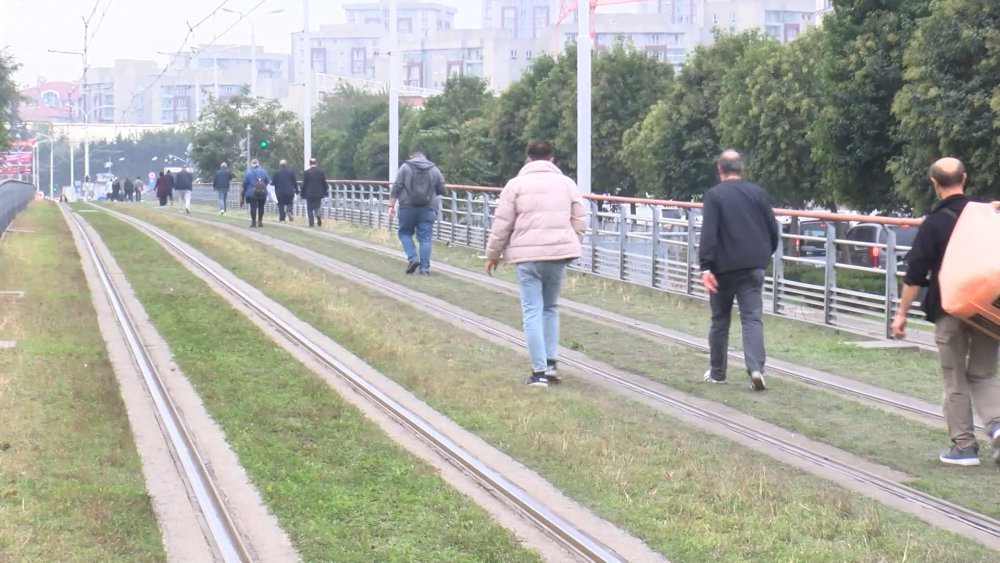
(285, 188)
(139, 187)
(739, 234)
(162, 189)
(129, 186)
(968, 357)
(314, 189)
(255, 183)
(539, 223)
(184, 183)
(221, 181)
(418, 185)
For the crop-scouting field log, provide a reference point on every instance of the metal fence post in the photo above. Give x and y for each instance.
(654, 247)
(622, 239)
(830, 274)
(454, 216)
(778, 274)
(691, 255)
(595, 227)
(891, 286)
(468, 218)
(486, 219)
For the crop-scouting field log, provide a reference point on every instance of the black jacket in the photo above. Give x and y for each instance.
(285, 184)
(314, 183)
(738, 230)
(222, 179)
(925, 256)
(183, 180)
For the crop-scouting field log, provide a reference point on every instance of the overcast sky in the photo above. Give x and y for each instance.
(138, 29)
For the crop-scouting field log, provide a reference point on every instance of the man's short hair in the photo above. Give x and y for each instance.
(312, 161)
(254, 162)
(283, 163)
(540, 150)
(418, 150)
(948, 173)
(730, 162)
(223, 165)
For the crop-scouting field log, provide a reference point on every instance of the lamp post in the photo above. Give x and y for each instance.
(307, 95)
(393, 88)
(583, 99)
(248, 146)
(52, 150)
(253, 46)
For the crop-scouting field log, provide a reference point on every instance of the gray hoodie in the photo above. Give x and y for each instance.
(405, 174)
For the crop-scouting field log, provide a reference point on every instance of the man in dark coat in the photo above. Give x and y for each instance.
(314, 189)
(170, 187)
(285, 188)
(220, 183)
(184, 183)
(162, 188)
(116, 190)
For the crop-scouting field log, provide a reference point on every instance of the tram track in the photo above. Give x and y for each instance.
(930, 508)
(570, 537)
(228, 543)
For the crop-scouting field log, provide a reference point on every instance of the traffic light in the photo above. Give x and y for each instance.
(263, 143)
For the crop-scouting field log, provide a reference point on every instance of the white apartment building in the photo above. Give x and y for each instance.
(418, 20)
(521, 19)
(782, 19)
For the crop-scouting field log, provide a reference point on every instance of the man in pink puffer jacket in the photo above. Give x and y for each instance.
(538, 225)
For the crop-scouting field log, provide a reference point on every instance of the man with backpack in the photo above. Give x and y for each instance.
(255, 183)
(417, 186)
(968, 357)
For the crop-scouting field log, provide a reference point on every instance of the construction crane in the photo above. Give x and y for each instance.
(568, 7)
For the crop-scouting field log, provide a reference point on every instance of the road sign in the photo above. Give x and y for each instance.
(151, 175)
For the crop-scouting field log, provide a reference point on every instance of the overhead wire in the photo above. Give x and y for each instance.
(184, 44)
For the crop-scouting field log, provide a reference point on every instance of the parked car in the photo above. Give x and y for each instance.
(810, 248)
(874, 256)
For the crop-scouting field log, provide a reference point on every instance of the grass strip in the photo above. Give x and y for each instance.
(71, 484)
(339, 486)
(819, 414)
(911, 372)
(690, 495)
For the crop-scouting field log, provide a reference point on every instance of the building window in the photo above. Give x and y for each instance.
(715, 19)
(508, 20)
(358, 60)
(513, 54)
(527, 55)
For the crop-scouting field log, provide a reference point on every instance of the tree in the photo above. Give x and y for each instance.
(9, 97)
(508, 123)
(220, 133)
(673, 150)
(340, 125)
(772, 97)
(854, 136)
(950, 102)
(627, 83)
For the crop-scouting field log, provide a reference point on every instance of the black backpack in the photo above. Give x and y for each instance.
(421, 189)
(259, 187)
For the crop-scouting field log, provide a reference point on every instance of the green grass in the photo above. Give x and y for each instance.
(71, 484)
(690, 495)
(818, 414)
(338, 485)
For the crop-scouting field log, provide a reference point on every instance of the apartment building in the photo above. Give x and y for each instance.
(521, 19)
(782, 19)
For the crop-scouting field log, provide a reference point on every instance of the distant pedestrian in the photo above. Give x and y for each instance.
(285, 188)
(162, 189)
(418, 185)
(139, 187)
(171, 182)
(129, 186)
(314, 189)
(184, 183)
(220, 183)
(116, 190)
(739, 234)
(255, 183)
(968, 357)
(539, 223)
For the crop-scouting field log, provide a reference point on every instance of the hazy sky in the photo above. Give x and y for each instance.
(138, 29)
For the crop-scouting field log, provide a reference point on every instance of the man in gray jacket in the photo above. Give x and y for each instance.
(418, 185)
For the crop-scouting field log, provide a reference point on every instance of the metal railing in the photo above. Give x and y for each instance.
(818, 276)
(14, 197)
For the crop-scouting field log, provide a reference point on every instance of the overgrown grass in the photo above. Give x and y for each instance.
(818, 414)
(691, 495)
(338, 485)
(71, 484)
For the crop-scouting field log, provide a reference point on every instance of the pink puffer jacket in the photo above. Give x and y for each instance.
(541, 216)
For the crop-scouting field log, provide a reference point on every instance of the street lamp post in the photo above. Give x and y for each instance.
(393, 88)
(248, 146)
(307, 97)
(52, 149)
(583, 98)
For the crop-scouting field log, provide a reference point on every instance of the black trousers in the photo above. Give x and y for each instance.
(256, 209)
(314, 210)
(285, 206)
(163, 200)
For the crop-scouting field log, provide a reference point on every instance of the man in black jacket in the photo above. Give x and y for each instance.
(968, 357)
(738, 237)
(285, 188)
(184, 183)
(314, 189)
(220, 183)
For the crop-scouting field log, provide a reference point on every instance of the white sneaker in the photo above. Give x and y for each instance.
(709, 379)
(757, 381)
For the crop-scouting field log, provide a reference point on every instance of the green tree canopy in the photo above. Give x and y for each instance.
(950, 103)
(9, 97)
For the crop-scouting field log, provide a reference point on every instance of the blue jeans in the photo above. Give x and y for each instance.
(746, 286)
(540, 283)
(223, 195)
(419, 220)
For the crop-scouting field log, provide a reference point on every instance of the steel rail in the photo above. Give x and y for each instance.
(568, 535)
(941, 507)
(222, 527)
(648, 329)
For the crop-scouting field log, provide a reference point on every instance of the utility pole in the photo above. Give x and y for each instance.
(394, 67)
(583, 100)
(307, 95)
(248, 146)
(86, 112)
